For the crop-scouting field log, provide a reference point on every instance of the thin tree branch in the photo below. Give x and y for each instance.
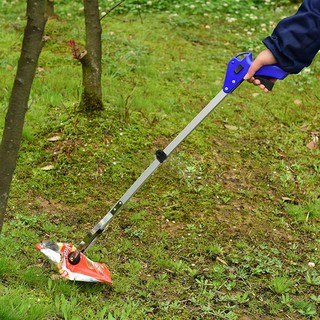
(114, 7)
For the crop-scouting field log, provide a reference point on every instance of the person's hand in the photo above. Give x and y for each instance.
(264, 58)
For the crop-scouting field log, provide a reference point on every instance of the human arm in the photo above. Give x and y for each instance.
(294, 42)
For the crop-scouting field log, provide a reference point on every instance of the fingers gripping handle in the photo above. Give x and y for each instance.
(272, 71)
(238, 68)
(265, 81)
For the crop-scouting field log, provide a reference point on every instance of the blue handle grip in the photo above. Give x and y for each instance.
(239, 66)
(272, 71)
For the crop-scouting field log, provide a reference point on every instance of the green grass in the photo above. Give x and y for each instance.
(227, 228)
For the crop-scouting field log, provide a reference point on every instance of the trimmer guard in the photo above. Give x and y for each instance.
(86, 270)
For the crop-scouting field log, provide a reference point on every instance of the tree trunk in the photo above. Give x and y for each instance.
(50, 8)
(91, 62)
(18, 103)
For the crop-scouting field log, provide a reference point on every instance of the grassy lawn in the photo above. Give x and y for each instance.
(227, 228)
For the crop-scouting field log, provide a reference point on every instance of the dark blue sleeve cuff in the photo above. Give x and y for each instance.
(296, 39)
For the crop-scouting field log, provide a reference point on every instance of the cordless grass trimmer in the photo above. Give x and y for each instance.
(70, 260)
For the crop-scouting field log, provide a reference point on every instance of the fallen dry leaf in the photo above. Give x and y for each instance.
(48, 167)
(221, 260)
(54, 138)
(304, 128)
(46, 38)
(312, 145)
(40, 69)
(230, 127)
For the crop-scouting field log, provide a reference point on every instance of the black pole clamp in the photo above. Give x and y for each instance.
(161, 156)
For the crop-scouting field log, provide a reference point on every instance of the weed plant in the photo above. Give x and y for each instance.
(228, 228)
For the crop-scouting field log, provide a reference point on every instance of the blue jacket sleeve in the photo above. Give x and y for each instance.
(296, 39)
